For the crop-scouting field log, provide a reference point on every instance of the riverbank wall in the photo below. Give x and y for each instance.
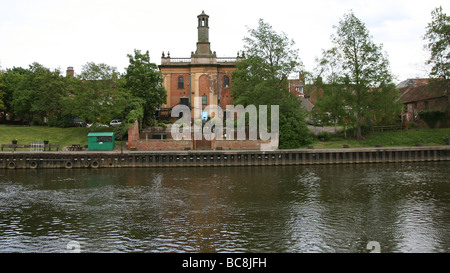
(203, 158)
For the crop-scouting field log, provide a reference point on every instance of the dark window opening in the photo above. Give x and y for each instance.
(104, 139)
(180, 83)
(226, 82)
(184, 101)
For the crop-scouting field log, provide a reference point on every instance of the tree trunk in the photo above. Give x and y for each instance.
(358, 128)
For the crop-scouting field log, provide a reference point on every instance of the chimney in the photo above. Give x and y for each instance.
(70, 72)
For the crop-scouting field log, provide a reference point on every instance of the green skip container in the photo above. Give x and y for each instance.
(101, 141)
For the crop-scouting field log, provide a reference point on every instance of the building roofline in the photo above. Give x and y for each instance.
(197, 65)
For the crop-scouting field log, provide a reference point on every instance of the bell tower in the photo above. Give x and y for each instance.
(203, 45)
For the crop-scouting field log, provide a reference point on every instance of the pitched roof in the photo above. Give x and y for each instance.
(420, 89)
(413, 82)
(307, 105)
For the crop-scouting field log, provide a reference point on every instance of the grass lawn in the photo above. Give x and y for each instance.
(78, 135)
(389, 138)
(29, 134)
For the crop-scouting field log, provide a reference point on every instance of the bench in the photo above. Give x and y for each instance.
(47, 147)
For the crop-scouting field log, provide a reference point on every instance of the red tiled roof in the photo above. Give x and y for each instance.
(421, 89)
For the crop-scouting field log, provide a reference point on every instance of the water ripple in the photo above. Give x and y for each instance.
(404, 207)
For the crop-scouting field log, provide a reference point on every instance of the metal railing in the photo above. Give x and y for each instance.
(226, 59)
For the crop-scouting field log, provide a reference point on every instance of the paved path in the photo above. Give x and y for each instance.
(317, 129)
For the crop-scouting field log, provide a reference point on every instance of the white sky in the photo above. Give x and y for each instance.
(58, 34)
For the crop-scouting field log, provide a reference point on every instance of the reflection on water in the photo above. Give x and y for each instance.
(334, 208)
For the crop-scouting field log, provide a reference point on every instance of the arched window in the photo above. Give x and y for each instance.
(226, 82)
(180, 82)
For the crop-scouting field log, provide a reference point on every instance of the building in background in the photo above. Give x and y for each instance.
(203, 75)
(421, 95)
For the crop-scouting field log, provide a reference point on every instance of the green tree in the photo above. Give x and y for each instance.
(134, 111)
(281, 59)
(333, 102)
(384, 109)
(96, 94)
(363, 69)
(9, 81)
(2, 92)
(39, 93)
(100, 74)
(144, 81)
(261, 79)
(438, 36)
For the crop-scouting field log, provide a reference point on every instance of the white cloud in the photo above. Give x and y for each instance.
(60, 33)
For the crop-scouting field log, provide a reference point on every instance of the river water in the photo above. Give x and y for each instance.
(320, 208)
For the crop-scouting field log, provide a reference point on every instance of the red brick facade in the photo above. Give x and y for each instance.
(423, 95)
(176, 93)
(203, 74)
(134, 142)
(204, 87)
(225, 91)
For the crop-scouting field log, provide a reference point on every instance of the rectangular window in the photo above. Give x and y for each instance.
(104, 139)
(204, 100)
(184, 101)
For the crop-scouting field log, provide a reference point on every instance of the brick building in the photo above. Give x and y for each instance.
(423, 95)
(203, 74)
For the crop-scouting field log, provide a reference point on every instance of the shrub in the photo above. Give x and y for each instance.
(293, 132)
(120, 131)
(432, 117)
(36, 121)
(324, 135)
(412, 125)
(61, 121)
